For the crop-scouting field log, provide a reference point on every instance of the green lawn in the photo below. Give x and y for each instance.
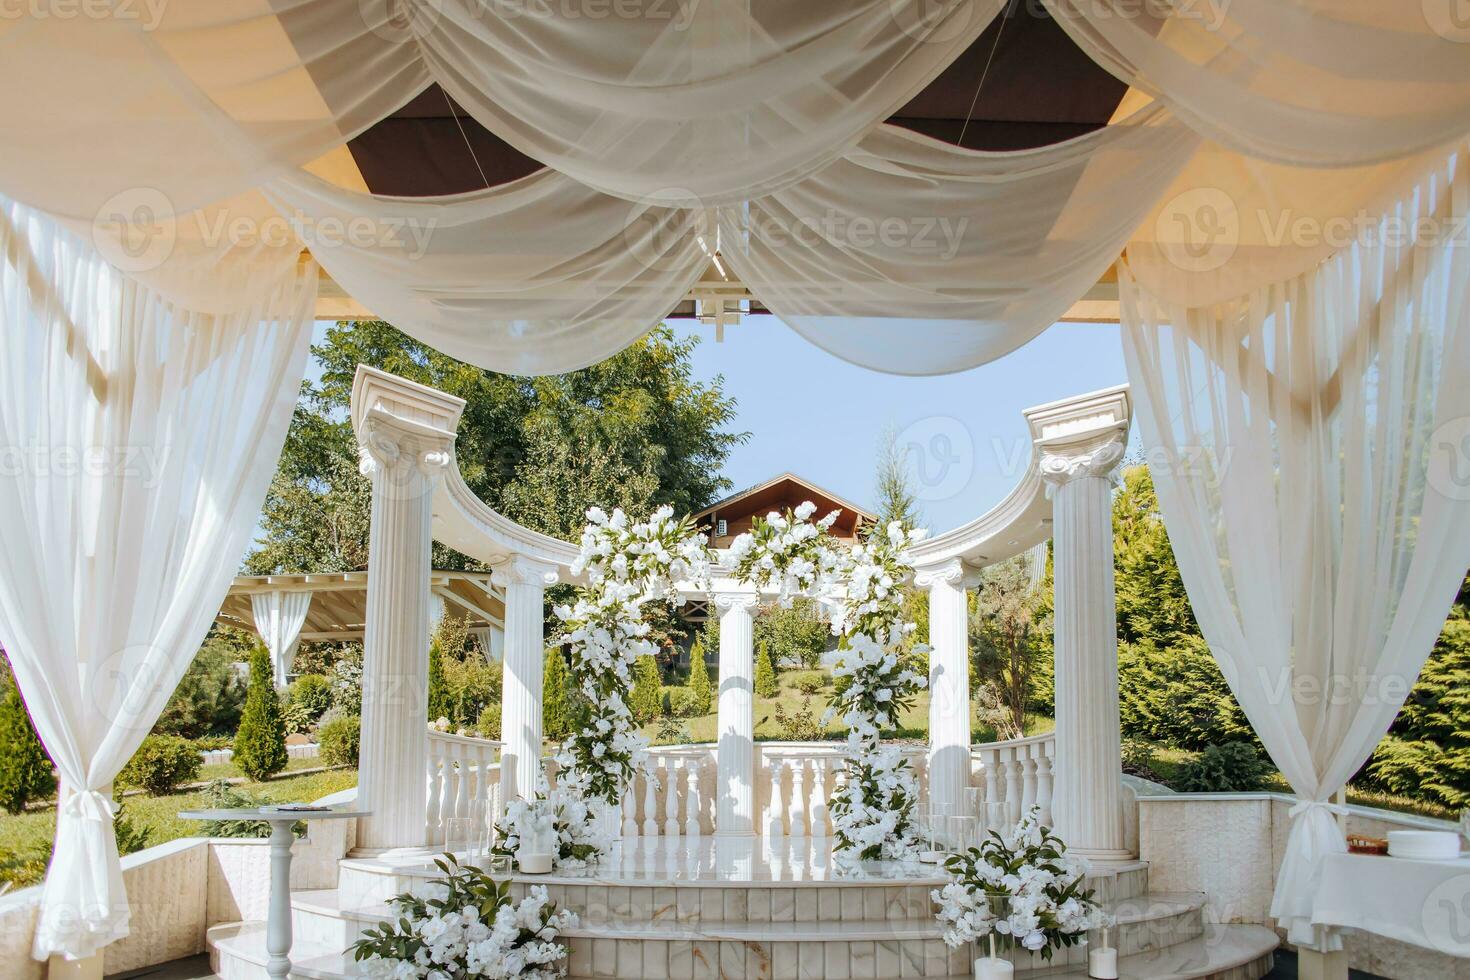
(913, 722)
(25, 839)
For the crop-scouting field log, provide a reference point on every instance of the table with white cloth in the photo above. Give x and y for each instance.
(1424, 903)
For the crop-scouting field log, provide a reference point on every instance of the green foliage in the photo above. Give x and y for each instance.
(682, 702)
(25, 769)
(1177, 696)
(893, 486)
(644, 701)
(1138, 759)
(438, 700)
(1427, 752)
(346, 677)
(1232, 767)
(339, 737)
(556, 696)
(701, 691)
(488, 724)
(162, 764)
(796, 635)
(307, 699)
(809, 681)
(765, 673)
(211, 693)
(803, 724)
(1002, 635)
(260, 745)
(635, 430)
(1152, 603)
(471, 685)
(131, 836)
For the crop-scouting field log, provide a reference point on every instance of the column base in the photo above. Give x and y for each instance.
(1104, 856)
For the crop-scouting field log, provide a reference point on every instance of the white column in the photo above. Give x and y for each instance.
(735, 756)
(404, 464)
(1087, 801)
(949, 682)
(525, 581)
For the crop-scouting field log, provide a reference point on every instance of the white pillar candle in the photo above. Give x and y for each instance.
(533, 864)
(1102, 964)
(993, 968)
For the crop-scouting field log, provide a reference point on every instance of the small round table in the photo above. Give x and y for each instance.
(278, 919)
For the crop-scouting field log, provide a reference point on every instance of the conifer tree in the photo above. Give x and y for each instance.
(260, 744)
(556, 702)
(699, 684)
(765, 673)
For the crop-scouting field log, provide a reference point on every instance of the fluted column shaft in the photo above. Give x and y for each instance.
(392, 784)
(735, 752)
(1087, 803)
(949, 683)
(524, 581)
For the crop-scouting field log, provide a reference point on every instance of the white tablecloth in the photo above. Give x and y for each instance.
(1426, 903)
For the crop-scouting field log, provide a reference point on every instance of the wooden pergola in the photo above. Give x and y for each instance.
(339, 601)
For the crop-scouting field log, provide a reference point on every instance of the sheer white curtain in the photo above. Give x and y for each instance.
(1309, 82)
(912, 256)
(279, 617)
(138, 441)
(1314, 482)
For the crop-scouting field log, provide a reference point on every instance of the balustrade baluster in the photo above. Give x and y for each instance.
(821, 768)
(650, 801)
(673, 774)
(1013, 788)
(797, 808)
(992, 783)
(436, 795)
(1043, 783)
(774, 825)
(691, 799)
(630, 808)
(1028, 780)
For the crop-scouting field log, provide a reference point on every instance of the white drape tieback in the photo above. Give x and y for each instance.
(85, 849)
(1314, 834)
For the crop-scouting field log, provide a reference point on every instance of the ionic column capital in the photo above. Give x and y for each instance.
(950, 572)
(524, 570)
(726, 601)
(1095, 458)
(386, 447)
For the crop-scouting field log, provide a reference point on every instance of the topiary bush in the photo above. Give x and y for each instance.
(809, 681)
(765, 673)
(1234, 767)
(647, 684)
(161, 765)
(488, 724)
(682, 702)
(25, 769)
(439, 702)
(701, 691)
(307, 699)
(260, 744)
(556, 696)
(338, 736)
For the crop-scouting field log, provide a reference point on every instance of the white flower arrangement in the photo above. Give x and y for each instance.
(1022, 888)
(465, 926)
(566, 814)
(872, 809)
(627, 565)
(789, 554)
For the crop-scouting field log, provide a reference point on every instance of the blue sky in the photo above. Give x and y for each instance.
(823, 418)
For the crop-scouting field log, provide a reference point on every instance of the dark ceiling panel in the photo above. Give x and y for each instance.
(1040, 88)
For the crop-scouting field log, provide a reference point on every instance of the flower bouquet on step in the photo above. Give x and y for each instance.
(1022, 888)
(464, 925)
(577, 842)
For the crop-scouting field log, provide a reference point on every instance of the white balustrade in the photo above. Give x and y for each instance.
(1011, 777)
(464, 781)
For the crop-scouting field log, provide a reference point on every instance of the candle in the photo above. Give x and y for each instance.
(1102, 964)
(993, 968)
(533, 864)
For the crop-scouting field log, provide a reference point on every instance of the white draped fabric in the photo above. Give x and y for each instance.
(140, 437)
(1312, 483)
(540, 276)
(1308, 82)
(279, 617)
(913, 256)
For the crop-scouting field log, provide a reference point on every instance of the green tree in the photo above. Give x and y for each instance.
(438, 698)
(795, 634)
(1152, 603)
(1001, 635)
(645, 700)
(701, 690)
(635, 430)
(765, 672)
(25, 769)
(893, 485)
(210, 695)
(260, 745)
(556, 696)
